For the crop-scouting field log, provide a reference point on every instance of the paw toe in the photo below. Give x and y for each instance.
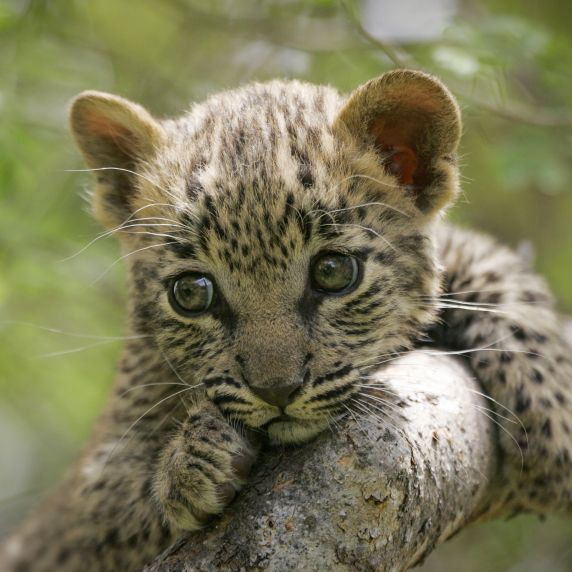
(225, 493)
(242, 464)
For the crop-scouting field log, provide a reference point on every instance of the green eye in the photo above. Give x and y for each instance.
(191, 294)
(334, 272)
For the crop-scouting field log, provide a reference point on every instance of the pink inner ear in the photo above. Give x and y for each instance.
(397, 149)
(102, 126)
(118, 135)
(402, 162)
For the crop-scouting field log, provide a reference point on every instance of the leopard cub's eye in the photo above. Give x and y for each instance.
(334, 272)
(191, 294)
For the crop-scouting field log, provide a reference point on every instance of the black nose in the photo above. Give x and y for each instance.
(279, 394)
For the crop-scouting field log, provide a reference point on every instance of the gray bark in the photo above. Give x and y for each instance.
(372, 494)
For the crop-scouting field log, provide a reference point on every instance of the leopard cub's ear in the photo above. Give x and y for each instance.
(412, 122)
(114, 135)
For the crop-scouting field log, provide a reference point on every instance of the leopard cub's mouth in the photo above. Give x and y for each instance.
(285, 429)
(282, 417)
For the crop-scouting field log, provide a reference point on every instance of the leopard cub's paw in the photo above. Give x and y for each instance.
(201, 469)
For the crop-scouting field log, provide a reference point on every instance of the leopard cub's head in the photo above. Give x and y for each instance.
(277, 235)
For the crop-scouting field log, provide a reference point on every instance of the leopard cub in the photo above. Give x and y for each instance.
(281, 240)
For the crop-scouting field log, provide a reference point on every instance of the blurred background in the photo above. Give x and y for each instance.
(508, 61)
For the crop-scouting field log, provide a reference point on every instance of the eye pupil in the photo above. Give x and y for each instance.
(334, 272)
(191, 294)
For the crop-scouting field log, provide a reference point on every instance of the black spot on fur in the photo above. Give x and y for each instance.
(537, 376)
(518, 332)
(491, 277)
(493, 298)
(506, 357)
(333, 375)
(479, 339)
(522, 400)
(540, 338)
(385, 257)
(529, 297)
(194, 187)
(332, 393)
(220, 381)
(483, 363)
(547, 429)
(305, 175)
(182, 249)
(226, 399)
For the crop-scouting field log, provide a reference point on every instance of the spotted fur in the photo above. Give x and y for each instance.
(247, 188)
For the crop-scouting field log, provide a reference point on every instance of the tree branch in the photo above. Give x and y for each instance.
(373, 494)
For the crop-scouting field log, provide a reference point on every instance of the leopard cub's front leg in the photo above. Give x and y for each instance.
(201, 468)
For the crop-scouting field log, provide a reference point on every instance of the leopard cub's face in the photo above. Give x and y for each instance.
(277, 235)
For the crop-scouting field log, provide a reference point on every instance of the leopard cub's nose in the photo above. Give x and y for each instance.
(276, 392)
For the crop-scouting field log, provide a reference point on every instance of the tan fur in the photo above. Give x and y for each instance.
(247, 189)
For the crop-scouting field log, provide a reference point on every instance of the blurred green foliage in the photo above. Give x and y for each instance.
(507, 60)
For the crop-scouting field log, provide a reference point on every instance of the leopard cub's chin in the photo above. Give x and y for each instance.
(294, 431)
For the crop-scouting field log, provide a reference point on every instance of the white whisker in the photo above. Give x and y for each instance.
(71, 334)
(104, 234)
(74, 350)
(142, 385)
(359, 425)
(122, 438)
(123, 170)
(128, 255)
